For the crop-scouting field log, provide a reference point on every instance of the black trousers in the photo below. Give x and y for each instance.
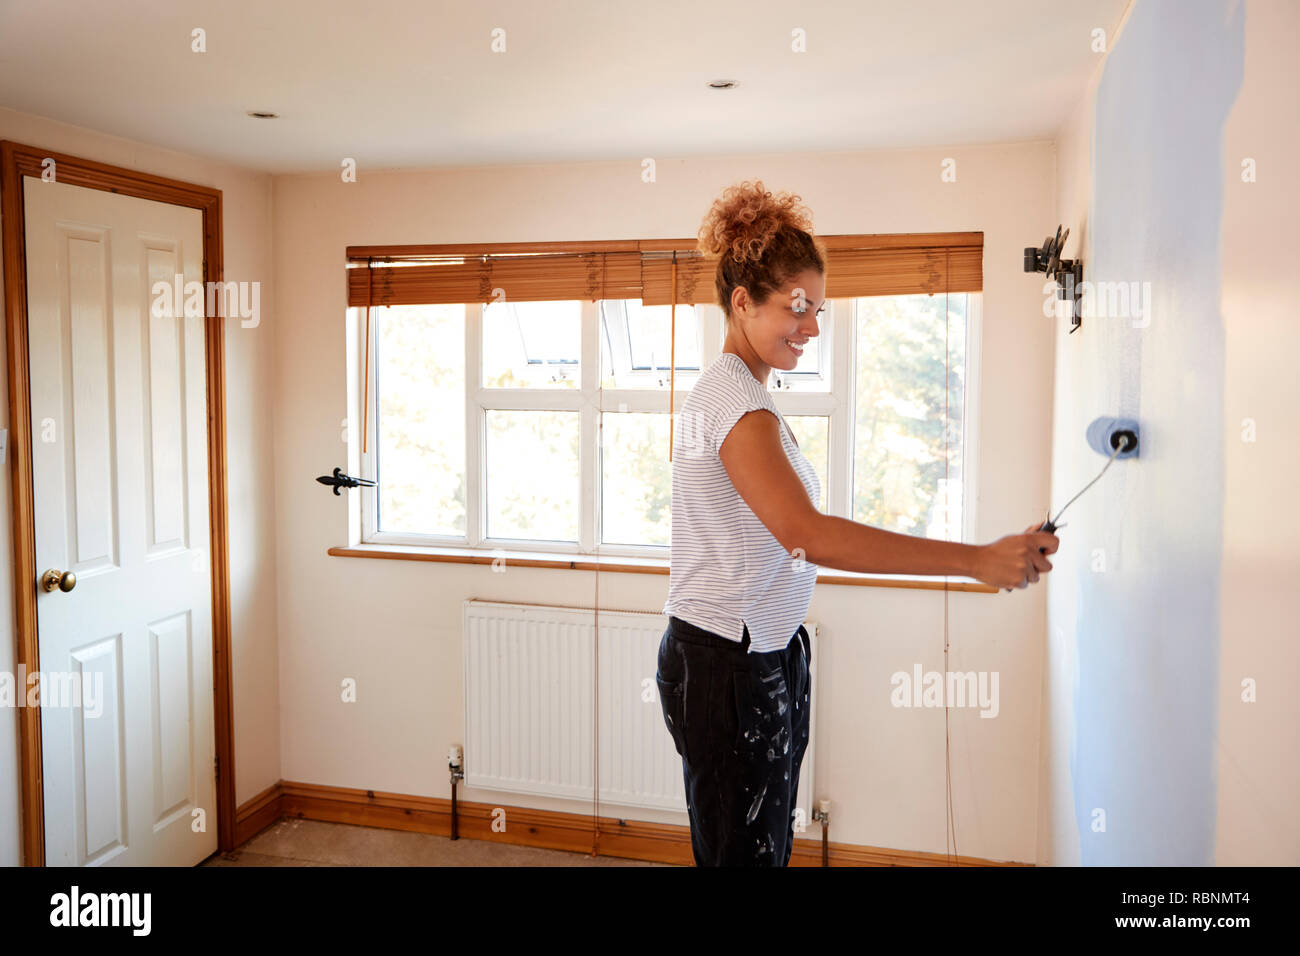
(740, 723)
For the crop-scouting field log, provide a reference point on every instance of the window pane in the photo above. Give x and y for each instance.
(899, 428)
(636, 344)
(532, 474)
(812, 432)
(532, 344)
(419, 383)
(636, 479)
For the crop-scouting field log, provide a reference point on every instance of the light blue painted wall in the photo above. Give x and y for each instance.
(1143, 740)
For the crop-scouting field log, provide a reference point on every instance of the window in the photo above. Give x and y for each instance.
(902, 479)
(544, 425)
(419, 418)
(532, 345)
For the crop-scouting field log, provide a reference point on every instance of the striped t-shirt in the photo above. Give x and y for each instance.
(726, 570)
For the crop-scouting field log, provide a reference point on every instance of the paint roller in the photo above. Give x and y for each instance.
(1119, 437)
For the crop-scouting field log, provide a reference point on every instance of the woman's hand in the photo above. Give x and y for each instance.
(1015, 561)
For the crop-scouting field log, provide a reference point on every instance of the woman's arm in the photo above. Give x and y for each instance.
(756, 463)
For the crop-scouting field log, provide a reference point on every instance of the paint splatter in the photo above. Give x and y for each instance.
(758, 802)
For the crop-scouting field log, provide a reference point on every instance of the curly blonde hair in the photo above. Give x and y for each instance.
(761, 241)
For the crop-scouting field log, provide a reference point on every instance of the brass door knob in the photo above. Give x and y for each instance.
(53, 580)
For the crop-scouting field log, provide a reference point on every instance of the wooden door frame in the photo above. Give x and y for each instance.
(17, 161)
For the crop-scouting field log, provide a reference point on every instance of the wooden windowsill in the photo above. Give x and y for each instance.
(626, 565)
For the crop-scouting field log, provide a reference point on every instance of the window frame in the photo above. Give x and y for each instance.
(837, 402)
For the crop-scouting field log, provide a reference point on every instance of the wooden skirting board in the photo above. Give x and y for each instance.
(548, 829)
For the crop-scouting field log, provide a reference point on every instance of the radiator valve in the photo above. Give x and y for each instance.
(823, 812)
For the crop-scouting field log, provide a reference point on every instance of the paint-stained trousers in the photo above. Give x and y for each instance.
(740, 723)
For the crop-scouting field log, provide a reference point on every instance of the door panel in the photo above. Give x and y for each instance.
(119, 463)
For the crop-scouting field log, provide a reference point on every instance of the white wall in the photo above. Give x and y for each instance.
(1143, 714)
(1258, 773)
(395, 625)
(1058, 839)
(246, 204)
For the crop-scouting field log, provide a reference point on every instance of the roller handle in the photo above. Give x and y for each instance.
(1049, 528)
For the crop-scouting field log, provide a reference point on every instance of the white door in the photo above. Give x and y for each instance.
(120, 470)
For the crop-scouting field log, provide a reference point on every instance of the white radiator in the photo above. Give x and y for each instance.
(531, 699)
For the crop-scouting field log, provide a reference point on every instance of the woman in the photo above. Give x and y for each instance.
(747, 540)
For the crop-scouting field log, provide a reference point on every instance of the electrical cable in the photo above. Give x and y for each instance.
(595, 664)
(950, 823)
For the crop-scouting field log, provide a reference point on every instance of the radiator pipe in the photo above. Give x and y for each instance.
(823, 816)
(454, 765)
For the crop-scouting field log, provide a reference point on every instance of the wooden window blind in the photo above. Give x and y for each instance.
(900, 264)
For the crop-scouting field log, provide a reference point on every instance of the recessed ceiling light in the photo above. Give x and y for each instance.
(257, 114)
(723, 85)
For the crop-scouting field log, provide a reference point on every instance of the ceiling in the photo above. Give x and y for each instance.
(415, 83)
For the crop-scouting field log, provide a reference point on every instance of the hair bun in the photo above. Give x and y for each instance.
(744, 220)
